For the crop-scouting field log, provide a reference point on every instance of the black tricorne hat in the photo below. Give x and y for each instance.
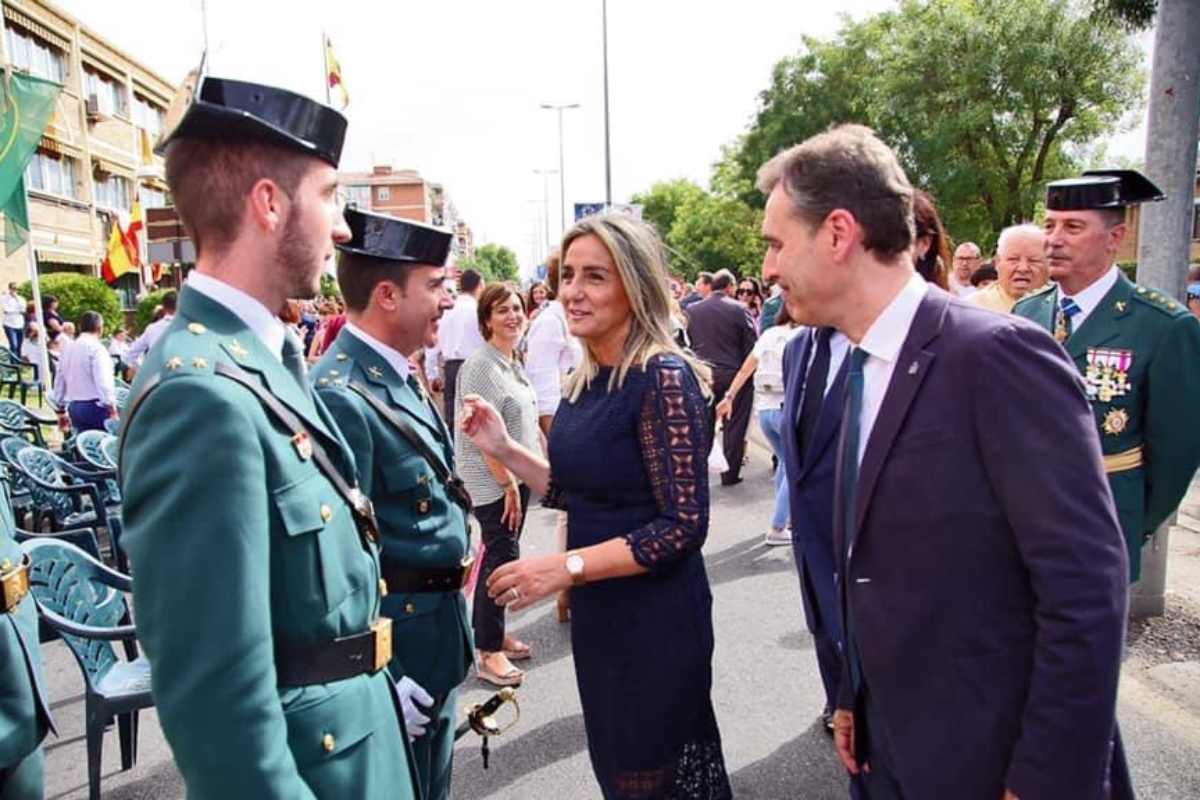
(1102, 188)
(219, 108)
(395, 239)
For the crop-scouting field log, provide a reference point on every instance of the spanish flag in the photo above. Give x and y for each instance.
(117, 262)
(334, 72)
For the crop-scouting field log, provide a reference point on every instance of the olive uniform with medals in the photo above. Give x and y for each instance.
(1138, 351)
(24, 710)
(256, 577)
(420, 506)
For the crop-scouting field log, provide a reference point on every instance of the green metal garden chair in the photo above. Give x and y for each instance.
(84, 601)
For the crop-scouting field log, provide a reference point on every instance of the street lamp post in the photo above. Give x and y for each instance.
(546, 173)
(562, 183)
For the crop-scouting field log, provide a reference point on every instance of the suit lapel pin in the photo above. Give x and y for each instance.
(1120, 305)
(374, 371)
(912, 368)
(303, 445)
(238, 351)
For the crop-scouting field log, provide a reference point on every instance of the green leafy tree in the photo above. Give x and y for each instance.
(329, 287)
(80, 293)
(494, 262)
(660, 204)
(984, 100)
(144, 314)
(713, 233)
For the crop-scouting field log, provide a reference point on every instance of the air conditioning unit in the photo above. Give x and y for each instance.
(92, 105)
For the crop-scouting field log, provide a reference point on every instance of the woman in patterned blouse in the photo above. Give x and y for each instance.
(627, 459)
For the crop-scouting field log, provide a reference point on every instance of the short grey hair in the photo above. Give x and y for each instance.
(1024, 229)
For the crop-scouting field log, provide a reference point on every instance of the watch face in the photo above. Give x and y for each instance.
(575, 564)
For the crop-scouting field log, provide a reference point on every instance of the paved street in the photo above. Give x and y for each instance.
(767, 692)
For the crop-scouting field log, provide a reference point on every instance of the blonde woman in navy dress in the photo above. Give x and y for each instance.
(628, 453)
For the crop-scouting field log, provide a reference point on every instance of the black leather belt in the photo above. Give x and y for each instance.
(326, 662)
(15, 586)
(404, 579)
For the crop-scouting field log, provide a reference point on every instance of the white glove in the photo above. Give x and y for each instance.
(409, 693)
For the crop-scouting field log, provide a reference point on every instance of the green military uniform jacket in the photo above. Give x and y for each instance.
(239, 544)
(24, 710)
(1139, 354)
(421, 525)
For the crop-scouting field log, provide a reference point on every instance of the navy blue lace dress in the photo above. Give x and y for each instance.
(634, 464)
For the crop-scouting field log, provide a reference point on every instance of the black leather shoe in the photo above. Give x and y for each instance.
(731, 480)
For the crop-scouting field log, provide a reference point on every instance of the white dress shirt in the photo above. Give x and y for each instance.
(395, 359)
(882, 343)
(14, 310)
(1089, 298)
(458, 335)
(551, 352)
(268, 327)
(141, 345)
(85, 372)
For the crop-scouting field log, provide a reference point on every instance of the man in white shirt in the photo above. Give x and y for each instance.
(13, 306)
(981, 570)
(967, 259)
(458, 338)
(83, 388)
(153, 332)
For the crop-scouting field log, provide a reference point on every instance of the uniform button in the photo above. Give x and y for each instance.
(5, 566)
(409, 608)
(326, 512)
(423, 507)
(382, 588)
(329, 743)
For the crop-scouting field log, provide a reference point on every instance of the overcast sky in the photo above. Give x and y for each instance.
(451, 88)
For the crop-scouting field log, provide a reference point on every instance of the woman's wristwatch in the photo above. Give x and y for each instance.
(574, 566)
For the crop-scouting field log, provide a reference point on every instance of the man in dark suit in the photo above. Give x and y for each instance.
(815, 379)
(702, 291)
(981, 565)
(722, 333)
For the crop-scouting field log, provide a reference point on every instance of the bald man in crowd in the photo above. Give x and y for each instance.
(1021, 268)
(967, 258)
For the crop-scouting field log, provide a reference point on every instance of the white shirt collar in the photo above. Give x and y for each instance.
(268, 327)
(1089, 298)
(389, 354)
(887, 333)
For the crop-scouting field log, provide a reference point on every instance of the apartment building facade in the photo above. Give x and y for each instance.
(94, 159)
(404, 193)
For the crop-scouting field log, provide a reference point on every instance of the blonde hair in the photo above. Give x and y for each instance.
(638, 255)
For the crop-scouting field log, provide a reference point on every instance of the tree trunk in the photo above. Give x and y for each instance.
(1166, 228)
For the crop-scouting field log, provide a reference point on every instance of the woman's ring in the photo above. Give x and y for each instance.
(516, 594)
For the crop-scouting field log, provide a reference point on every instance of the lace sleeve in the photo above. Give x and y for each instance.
(674, 444)
(554, 497)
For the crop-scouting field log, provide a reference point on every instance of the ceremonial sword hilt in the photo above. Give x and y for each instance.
(481, 717)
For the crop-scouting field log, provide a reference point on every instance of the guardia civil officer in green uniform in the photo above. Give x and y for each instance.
(1137, 348)
(24, 712)
(256, 578)
(392, 277)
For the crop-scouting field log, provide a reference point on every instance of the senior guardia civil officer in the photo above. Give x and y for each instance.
(1137, 348)
(393, 279)
(257, 585)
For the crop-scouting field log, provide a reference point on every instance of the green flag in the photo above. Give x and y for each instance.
(26, 104)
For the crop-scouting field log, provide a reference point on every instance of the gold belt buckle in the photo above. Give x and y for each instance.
(382, 628)
(16, 586)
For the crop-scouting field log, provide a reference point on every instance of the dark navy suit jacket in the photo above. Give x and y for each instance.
(986, 575)
(810, 487)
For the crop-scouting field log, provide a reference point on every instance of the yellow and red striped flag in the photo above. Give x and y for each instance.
(334, 70)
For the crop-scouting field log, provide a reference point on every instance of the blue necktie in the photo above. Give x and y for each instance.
(849, 475)
(1069, 309)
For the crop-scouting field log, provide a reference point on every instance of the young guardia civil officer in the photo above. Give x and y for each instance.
(392, 276)
(256, 587)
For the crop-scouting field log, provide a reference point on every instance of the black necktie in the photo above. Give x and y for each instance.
(814, 388)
